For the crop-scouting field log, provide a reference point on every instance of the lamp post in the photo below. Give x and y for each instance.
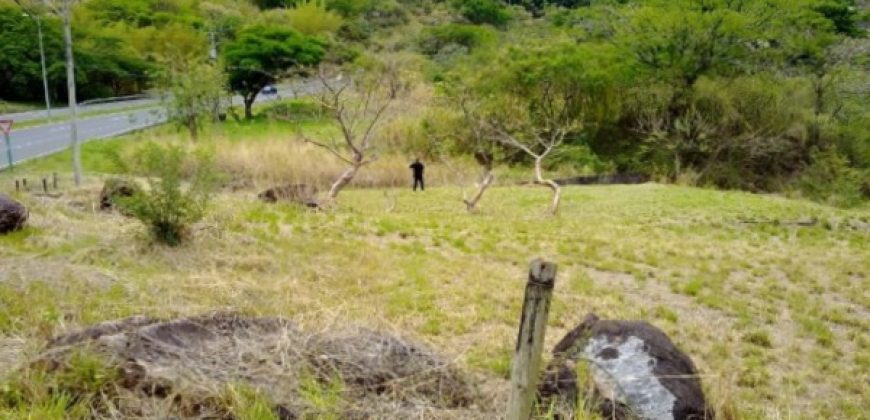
(42, 61)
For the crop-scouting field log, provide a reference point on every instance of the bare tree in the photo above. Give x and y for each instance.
(537, 124)
(357, 106)
(452, 133)
(481, 148)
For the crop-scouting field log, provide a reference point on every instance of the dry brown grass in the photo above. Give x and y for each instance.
(272, 161)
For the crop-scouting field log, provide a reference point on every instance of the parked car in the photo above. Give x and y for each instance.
(270, 90)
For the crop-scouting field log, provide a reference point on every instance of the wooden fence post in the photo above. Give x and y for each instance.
(530, 339)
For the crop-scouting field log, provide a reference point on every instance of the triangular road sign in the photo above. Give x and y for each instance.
(5, 126)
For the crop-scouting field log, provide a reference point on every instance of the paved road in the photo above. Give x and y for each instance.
(83, 108)
(300, 88)
(30, 143)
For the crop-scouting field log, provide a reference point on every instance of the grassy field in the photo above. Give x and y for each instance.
(774, 313)
(768, 295)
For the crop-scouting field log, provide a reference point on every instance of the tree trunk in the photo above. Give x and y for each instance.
(192, 127)
(343, 180)
(818, 107)
(549, 183)
(71, 89)
(249, 103)
(471, 205)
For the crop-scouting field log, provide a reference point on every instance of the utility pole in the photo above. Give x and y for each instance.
(44, 72)
(66, 12)
(38, 20)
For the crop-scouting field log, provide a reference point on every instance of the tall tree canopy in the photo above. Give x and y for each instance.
(262, 53)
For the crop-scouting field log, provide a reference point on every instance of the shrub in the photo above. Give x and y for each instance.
(435, 39)
(831, 180)
(311, 17)
(167, 207)
(491, 12)
(387, 14)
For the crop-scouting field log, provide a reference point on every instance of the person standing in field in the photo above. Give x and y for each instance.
(417, 167)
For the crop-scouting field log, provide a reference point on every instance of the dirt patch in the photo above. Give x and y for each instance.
(192, 360)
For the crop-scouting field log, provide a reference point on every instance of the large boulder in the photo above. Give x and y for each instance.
(13, 214)
(635, 370)
(303, 194)
(114, 189)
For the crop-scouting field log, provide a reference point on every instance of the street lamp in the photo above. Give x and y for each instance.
(42, 60)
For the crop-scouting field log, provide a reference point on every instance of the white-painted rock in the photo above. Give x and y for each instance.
(635, 369)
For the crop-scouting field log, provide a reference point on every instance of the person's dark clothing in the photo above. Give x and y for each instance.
(417, 168)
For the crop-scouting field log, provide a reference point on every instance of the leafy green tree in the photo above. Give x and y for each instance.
(261, 54)
(106, 65)
(194, 88)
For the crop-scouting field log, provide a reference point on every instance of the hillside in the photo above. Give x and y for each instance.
(186, 293)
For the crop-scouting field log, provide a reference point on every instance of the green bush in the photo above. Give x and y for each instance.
(491, 12)
(434, 40)
(831, 180)
(180, 187)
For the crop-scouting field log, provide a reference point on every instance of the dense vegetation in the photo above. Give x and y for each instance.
(767, 294)
(745, 94)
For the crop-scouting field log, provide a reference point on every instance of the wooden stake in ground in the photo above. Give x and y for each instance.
(530, 339)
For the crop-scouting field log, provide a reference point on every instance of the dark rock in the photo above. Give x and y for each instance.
(303, 194)
(604, 179)
(13, 214)
(636, 370)
(116, 188)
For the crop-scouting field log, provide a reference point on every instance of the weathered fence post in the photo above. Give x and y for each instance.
(530, 339)
(17, 185)
(54, 180)
(45, 185)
